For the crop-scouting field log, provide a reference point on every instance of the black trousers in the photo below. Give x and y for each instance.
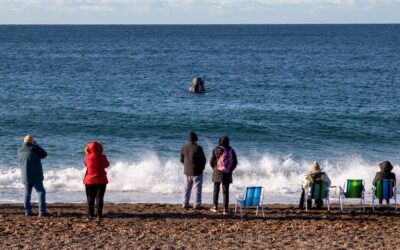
(225, 193)
(381, 200)
(95, 192)
(318, 202)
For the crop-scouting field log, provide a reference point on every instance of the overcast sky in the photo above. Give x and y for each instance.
(198, 11)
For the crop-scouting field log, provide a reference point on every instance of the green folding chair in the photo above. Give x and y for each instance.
(317, 191)
(384, 189)
(352, 189)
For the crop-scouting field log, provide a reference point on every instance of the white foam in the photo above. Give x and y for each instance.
(152, 175)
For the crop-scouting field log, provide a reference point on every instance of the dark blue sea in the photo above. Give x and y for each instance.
(285, 95)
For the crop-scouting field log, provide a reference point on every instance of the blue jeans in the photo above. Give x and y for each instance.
(42, 198)
(197, 182)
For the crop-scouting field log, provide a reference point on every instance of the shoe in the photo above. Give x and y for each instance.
(198, 208)
(214, 209)
(44, 214)
(29, 214)
(225, 212)
(185, 206)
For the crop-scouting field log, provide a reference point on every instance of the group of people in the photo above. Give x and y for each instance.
(95, 180)
(316, 175)
(223, 162)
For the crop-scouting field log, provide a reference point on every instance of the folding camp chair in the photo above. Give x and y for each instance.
(352, 189)
(384, 189)
(251, 197)
(317, 191)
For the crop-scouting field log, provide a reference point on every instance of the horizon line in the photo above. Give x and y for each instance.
(192, 24)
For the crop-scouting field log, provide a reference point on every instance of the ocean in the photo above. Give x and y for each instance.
(286, 95)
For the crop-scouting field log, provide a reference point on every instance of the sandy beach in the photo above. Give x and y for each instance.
(168, 226)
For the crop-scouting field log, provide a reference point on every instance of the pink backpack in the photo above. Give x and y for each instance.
(225, 161)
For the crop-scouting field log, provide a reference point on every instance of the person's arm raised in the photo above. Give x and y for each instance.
(39, 151)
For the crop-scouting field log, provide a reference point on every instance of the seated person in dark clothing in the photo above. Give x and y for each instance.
(385, 173)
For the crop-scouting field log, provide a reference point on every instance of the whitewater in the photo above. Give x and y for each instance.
(153, 179)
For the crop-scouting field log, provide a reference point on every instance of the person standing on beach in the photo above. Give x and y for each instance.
(194, 162)
(223, 161)
(30, 156)
(96, 177)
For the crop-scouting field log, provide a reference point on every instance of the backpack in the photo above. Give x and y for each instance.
(225, 161)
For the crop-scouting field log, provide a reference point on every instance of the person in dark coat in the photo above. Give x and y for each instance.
(194, 162)
(30, 156)
(220, 176)
(385, 173)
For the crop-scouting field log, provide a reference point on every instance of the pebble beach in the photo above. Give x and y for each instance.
(168, 226)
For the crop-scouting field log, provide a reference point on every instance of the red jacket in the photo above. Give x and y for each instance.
(96, 164)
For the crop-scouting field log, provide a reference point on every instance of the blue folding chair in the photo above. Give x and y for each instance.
(384, 189)
(251, 197)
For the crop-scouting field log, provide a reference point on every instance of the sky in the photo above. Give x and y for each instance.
(198, 11)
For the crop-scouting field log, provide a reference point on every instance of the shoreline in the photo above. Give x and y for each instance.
(130, 197)
(153, 225)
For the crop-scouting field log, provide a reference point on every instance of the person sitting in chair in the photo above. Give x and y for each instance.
(314, 176)
(385, 173)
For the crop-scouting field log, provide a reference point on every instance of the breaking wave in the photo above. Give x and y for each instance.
(281, 175)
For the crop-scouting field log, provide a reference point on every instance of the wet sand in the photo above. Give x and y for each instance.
(168, 226)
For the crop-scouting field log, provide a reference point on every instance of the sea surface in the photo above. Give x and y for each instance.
(285, 95)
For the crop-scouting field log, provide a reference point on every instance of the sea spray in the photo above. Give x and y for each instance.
(150, 175)
(281, 175)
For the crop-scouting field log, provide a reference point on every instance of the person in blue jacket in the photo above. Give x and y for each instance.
(30, 156)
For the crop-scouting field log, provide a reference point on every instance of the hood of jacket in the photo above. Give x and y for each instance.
(224, 141)
(386, 166)
(193, 137)
(95, 148)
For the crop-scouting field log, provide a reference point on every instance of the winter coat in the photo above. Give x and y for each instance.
(193, 159)
(219, 176)
(96, 163)
(385, 173)
(315, 177)
(31, 167)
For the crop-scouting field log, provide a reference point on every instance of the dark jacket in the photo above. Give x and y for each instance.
(96, 163)
(219, 176)
(31, 167)
(385, 173)
(193, 159)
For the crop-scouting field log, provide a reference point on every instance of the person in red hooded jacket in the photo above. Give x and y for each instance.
(96, 177)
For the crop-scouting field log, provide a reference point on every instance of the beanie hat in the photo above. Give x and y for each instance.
(28, 139)
(193, 137)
